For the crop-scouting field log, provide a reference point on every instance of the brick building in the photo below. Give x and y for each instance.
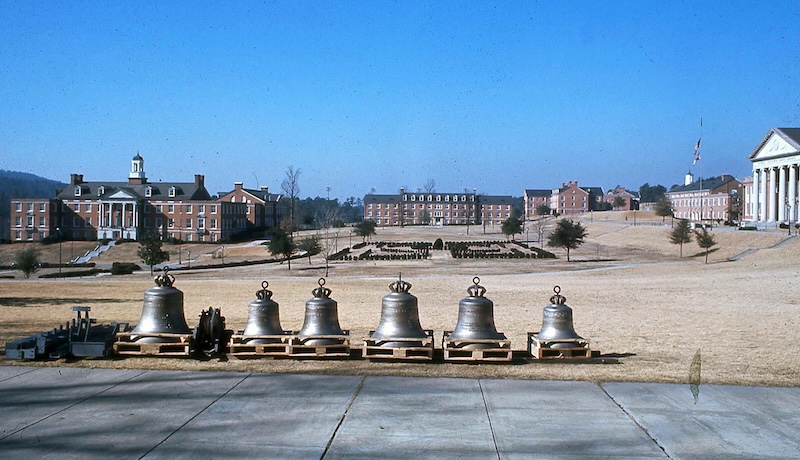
(113, 210)
(436, 208)
(717, 198)
(264, 209)
(630, 198)
(569, 199)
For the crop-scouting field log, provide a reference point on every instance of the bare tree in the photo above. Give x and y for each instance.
(541, 225)
(329, 240)
(291, 188)
(430, 186)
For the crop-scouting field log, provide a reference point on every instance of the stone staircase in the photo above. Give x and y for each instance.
(94, 253)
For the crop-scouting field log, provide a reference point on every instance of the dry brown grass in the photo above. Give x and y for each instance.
(639, 304)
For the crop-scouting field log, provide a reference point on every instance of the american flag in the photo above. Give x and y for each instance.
(696, 153)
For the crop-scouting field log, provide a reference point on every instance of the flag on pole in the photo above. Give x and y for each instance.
(696, 153)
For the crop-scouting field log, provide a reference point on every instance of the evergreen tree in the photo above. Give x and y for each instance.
(150, 251)
(663, 208)
(311, 245)
(511, 227)
(705, 240)
(27, 261)
(567, 235)
(282, 243)
(681, 234)
(365, 229)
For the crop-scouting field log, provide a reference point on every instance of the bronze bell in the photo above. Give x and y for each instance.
(399, 317)
(321, 318)
(557, 322)
(162, 312)
(263, 317)
(476, 319)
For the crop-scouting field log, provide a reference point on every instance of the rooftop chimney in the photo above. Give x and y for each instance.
(237, 185)
(75, 179)
(265, 189)
(199, 180)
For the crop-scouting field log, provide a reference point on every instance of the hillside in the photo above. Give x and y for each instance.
(14, 184)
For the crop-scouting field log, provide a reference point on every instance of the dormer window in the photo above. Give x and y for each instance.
(148, 192)
(172, 192)
(101, 190)
(77, 190)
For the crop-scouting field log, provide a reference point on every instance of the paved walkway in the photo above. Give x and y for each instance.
(99, 413)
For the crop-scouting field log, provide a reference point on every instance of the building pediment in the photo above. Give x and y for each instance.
(774, 146)
(121, 195)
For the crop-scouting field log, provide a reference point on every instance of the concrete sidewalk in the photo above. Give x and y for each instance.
(99, 413)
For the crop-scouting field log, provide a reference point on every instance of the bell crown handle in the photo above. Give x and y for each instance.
(476, 290)
(321, 291)
(164, 279)
(558, 299)
(264, 293)
(400, 285)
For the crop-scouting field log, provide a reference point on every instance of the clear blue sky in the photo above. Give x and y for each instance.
(498, 96)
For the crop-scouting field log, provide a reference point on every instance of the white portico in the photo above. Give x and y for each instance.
(774, 194)
(119, 215)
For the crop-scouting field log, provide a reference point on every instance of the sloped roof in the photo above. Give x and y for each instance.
(704, 184)
(538, 192)
(495, 199)
(374, 198)
(790, 135)
(159, 191)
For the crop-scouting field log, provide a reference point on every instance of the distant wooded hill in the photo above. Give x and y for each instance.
(14, 184)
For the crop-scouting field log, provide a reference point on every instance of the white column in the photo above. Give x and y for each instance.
(762, 197)
(792, 193)
(754, 196)
(782, 194)
(771, 191)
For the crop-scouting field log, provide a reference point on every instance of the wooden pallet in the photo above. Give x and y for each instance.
(299, 347)
(240, 345)
(373, 349)
(453, 350)
(541, 349)
(125, 343)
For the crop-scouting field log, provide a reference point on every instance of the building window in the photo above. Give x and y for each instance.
(18, 221)
(201, 224)
(42, 207)
(188, 223)
(88, 221)
(148, 192)
(172, 192)
(87, 207)
(18, 207)
(158, 208)
(30, 207)
(101, 190)
(170, 223)
(170, 208)
(18, 235)
(41, 221)
(213, 209)
(77, 190)
(201, 208)
(188, 209)
(188, 237)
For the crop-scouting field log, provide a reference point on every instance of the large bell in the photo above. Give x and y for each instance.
(321, 318)
(162, 312)
(399, 317)
(557, 322)
(476, 319)
(263, 317)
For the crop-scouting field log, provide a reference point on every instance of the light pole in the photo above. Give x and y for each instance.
(58, 229)
(189, 257)
(788, 217)
(711, 220)
(351, 237)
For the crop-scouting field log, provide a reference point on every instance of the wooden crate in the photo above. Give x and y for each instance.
(500, 351)
(540, 349)
(373, 349)
(124, 344)
(298, 347)
(240, 346)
